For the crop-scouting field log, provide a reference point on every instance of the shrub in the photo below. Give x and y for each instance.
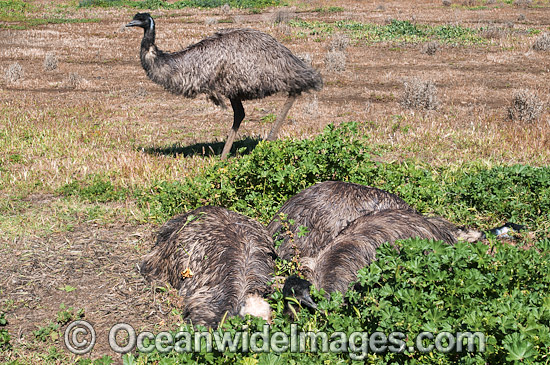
(283, 16)
(430, 48)
(542, 43)
(73, 80)
(493, 32)
(338, 43)
(525, 3)
(526, 106)
(50, 61)
(14, 72)
(311, 108)
(419, 94)
(335, 61)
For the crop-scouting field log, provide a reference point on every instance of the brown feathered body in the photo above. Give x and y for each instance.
(325, 209)
(237, 63)
(337, 264)
(218, 259)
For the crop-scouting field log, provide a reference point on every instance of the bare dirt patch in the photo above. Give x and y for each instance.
(93, 268)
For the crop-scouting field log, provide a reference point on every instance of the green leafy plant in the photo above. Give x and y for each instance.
(395, 31)
(67, 288)
(499, 291)
(96, 188)
(4, 334)
(51, 331)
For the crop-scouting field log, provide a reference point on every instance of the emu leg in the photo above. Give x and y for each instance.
(238, 116)
(279, 121)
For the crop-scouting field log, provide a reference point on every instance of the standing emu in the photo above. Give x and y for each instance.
(240, 64)
(325, 209)
(220, 261)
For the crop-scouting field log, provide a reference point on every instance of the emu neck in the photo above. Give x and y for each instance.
(148, 36)
(148, 49)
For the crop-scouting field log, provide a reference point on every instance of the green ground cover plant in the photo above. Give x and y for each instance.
(18, 11)
(11, 10)
(4, 335)
(395, 31)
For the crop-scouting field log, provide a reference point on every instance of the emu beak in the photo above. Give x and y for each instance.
(134, 23)
(308, 302)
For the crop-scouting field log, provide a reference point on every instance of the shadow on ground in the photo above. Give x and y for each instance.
(243, 147)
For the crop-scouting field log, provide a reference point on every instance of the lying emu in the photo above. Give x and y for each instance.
(325, 209)
(220, 261)
(240, 64)
(337, 264)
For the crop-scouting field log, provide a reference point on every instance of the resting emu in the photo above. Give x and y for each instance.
(337, 264)
(220, 261)
(240, 64)
(325, 209)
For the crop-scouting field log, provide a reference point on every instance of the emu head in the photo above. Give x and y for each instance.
(298, 288)
(142, 20)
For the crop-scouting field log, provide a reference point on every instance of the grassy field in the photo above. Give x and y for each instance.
(94, 156)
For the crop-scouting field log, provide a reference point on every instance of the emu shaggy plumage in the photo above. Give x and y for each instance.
(325, 209)
(220, 261)
(346, 223)
(239, 64)
(337, 264)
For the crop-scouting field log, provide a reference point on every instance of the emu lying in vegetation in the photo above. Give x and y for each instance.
(220, 261)
(335, 267)
(325, 209)
(345, 224)
(337, 264)
(240, 64)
